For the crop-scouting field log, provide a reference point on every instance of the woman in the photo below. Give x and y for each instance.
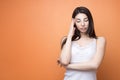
(81, 50)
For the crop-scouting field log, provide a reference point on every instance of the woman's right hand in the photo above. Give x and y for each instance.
(65, 52)
(72, 28)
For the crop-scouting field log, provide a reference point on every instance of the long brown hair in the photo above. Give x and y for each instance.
(90, 32)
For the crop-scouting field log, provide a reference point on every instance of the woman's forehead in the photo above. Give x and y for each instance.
(81, 16)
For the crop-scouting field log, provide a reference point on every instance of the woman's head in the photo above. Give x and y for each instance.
(84, 21)
(83, 24)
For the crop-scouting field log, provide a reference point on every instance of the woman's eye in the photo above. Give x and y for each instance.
(86, 20)
(77, 21)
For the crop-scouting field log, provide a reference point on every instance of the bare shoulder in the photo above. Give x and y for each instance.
(63, 39)
(101, 40)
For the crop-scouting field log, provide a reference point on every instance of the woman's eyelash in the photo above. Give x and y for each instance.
(78, 21)
(86, 19)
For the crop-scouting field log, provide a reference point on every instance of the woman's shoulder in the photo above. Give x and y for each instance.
(63, 39)
(101, 39)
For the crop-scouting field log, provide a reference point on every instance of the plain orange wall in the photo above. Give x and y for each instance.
(31, 30)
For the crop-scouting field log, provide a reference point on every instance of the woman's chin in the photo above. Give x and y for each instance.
(82, 31)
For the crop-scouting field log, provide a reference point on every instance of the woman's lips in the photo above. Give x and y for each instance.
(83, 28)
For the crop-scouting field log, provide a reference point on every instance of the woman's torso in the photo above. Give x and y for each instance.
(80, 54)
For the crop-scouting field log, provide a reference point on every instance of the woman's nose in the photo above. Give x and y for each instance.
(82, 23)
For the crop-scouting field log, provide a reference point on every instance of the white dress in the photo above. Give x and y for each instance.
(81, 54)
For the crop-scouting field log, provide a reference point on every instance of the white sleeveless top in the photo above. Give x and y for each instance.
(81, 54)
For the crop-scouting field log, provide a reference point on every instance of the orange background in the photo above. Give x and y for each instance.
(31, 30)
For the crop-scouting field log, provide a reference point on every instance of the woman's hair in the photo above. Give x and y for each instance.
(90, 32)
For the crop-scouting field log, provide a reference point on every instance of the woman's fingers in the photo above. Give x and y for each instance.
(59, 63)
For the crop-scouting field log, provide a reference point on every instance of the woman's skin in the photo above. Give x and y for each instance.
(82, 23)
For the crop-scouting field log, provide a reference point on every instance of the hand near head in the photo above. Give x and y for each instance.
(72, 28)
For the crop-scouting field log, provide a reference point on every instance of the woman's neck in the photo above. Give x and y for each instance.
(84, 36)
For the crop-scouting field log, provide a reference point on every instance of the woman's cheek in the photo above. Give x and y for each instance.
(77, 24)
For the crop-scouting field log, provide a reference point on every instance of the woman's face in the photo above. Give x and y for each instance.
(82, 22)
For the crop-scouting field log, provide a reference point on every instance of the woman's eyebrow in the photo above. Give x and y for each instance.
(86, 18)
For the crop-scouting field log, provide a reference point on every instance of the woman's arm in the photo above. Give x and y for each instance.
(66, 50)
(95, 62)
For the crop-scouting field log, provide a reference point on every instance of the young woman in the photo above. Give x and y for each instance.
(81, 50)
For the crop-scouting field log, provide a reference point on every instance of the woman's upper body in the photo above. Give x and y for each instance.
(82, 32)
(80, 54)
(95, 62)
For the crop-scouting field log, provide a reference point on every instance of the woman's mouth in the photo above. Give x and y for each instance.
(83, 29)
